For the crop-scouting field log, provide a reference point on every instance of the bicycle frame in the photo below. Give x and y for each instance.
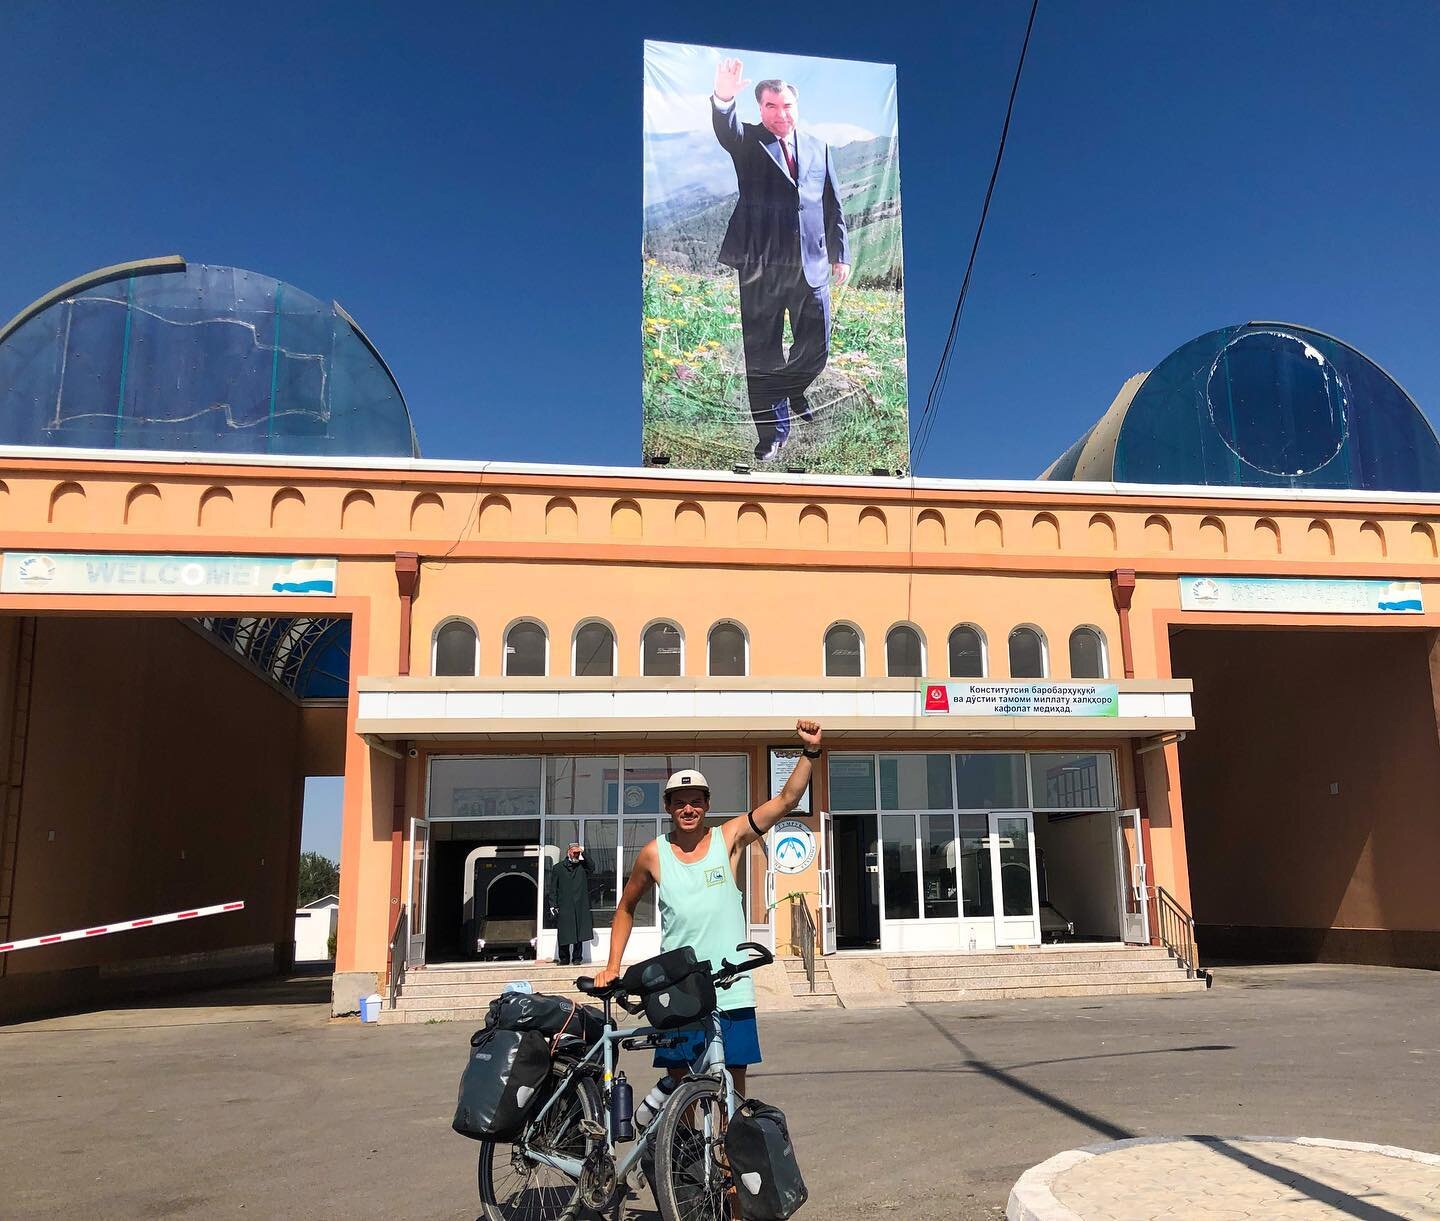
(711, 1063)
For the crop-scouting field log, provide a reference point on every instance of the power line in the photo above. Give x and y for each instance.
(942, 370)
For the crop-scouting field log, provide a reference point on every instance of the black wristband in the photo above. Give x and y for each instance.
(812, 754)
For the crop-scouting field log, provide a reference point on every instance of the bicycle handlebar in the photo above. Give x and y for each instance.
(722, 978)
(729, 972)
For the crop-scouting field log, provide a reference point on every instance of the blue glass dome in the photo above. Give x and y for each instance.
(1261, 405)
(166, 355)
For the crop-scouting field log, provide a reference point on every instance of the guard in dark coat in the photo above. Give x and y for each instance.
(567, 895)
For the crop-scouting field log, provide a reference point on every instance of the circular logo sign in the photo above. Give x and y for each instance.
(793, 846)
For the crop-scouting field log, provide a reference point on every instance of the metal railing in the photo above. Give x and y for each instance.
(1176, 928)
(399, 945)
(802, 935)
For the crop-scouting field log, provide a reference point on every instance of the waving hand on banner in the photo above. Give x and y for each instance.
(727, 79)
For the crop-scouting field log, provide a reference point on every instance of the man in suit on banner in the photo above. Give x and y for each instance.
(787, 239)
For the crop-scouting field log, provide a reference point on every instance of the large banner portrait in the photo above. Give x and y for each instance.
(774, 312)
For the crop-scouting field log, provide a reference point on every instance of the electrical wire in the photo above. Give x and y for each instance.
(931, 410)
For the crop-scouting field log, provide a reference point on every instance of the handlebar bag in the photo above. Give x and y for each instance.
(688, 1000)
(664, 969)
(675, 986)
(762, 1160)
(548, 1015)
(502, 1083)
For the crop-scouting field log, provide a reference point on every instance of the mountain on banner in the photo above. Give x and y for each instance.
(683, 230)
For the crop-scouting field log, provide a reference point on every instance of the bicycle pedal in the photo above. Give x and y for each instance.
(593, 1128)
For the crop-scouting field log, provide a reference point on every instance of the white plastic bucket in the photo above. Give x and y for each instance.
(370, 1007)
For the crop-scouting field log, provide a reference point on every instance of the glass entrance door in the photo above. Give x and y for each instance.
(1130, 850)
(417, 874)
(827, 883)
(1012, 869)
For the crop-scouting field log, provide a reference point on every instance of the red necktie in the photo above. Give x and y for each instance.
(789, 160)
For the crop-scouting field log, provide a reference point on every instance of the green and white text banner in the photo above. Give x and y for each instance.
(1022, 699)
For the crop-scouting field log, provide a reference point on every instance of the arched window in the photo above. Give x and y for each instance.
(967, 652)
(903, 653)
(843, 656)
(1027, 653)
(457, 649)
(661, 650)
(728, 650)
(1087, 653)
(594, 651)
(526, 646)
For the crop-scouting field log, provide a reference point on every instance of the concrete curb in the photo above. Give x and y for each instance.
(1032, 1197)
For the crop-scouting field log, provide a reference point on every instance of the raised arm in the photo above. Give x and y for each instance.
(724, 114)
(739, 831)
(642, 878)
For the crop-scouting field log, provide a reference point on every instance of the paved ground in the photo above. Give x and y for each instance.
(1230, 1179)
(264, 1107)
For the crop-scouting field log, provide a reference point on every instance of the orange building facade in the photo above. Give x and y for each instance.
(1153, 696)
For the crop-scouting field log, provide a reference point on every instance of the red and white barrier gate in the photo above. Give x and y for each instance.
(125, 926)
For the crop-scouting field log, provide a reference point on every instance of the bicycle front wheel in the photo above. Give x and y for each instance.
(514, 1187)
(692, 1179)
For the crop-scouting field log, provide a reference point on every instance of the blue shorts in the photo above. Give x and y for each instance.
(742, 1042)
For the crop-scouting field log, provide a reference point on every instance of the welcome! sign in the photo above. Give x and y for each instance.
(1022, 699)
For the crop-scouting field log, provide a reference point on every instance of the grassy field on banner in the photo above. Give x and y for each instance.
(696, 411)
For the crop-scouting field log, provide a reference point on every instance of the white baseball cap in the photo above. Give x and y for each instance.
(687, 780)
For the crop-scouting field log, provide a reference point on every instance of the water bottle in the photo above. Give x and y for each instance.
(645, 1113)
(622, 1104)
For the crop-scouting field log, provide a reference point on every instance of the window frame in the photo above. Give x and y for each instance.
(594, 621)
(825, 649)
(984, 651)
(1044, 653)
(709, 653)
(435, 645)
(1104, 653)
(505, 646)
(920, 638)
(645, 631)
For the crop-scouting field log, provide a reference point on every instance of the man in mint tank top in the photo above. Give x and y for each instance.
(694, 867)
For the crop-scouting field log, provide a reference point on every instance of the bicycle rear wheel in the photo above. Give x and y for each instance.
(514, 1187)
(692, 1180)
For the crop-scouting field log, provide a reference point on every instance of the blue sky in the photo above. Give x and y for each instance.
(466, 181)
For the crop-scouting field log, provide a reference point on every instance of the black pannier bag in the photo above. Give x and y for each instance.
(503, 1082)
(547, 1015)
(675, 986)
(762, 1160)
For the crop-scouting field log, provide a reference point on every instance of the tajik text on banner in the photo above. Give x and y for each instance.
(774, 319)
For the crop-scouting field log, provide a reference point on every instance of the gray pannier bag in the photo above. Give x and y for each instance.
(502, 1083)
(762, 1161)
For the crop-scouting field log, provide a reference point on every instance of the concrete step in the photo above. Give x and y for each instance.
(1100, 970)
(395, 1017)
(1093, 953)
(823, 987)
(428, 985)
(1113, 978)
(1041, 992)
(548, 976)
(819, 1000)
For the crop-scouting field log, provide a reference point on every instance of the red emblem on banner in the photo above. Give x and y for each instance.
(936, 700)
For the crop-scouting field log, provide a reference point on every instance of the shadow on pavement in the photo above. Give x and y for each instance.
(1342, 1202)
